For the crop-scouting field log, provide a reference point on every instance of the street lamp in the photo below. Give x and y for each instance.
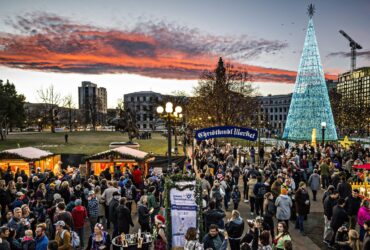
(169, 114)
(323, 127)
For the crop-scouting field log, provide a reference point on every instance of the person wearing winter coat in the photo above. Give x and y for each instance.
(79, 215)
(353, 204)
(314, 183)
(234, 228)
(41, 239)
(302, 203)
(283, 205)
(144, 214)
(62, 236)
(191, 242)
(214, 239)
(362, 216)
(236, 196)
(269, 212)
(124, 219)
(344, 188)
(252, 199)
(329, 203)
(339, 218)
(259, 191)
(214, 216)
(114, 203)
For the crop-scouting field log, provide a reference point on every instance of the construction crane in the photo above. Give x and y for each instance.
(354, 46)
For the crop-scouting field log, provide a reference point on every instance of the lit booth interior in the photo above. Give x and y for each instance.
(26, 159)
(122, 157)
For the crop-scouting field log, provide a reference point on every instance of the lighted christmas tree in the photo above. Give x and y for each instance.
(310, 105)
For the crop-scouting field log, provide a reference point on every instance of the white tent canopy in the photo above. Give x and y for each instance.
(124, 151)
(27, 153)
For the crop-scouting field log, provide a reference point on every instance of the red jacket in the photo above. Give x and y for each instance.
(137, 176)
(79, 214)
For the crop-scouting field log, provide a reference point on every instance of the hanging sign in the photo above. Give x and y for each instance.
(226, 131)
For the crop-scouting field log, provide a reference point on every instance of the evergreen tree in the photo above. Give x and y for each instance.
(11, 108)
(223, 96)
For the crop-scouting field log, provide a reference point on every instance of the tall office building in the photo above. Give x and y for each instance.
(143, 104)
(354, 91)
(92, 100)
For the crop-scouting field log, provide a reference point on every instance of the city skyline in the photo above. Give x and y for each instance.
(134, 46)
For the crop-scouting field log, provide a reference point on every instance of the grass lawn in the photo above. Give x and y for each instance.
(82, 142)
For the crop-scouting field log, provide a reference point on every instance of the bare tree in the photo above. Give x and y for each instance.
(51, 100)
(69, 105)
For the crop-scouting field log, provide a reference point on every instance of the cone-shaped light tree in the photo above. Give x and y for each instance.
(310, 105)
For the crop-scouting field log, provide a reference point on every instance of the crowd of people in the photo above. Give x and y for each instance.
(279, 188)
(64, 210)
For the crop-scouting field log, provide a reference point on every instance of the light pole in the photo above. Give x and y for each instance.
(168, 113)
(323, 127)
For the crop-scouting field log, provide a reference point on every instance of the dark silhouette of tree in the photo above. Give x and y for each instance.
(224, 96)
(12, 112)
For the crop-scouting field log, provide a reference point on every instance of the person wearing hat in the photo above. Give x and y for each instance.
(283, 205)
(62, 236)
(92, 209)
(160, 241)
(114, 203)
(302, 203)
(18, 202)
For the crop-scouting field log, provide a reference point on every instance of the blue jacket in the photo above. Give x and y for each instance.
(42, 243)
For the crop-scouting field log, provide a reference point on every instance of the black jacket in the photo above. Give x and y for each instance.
(352, 205)
(124, 219)
(344, 189)
(112, 211)
(144, 215)
(235, 228)
(270, 209)
(339, 217)
(301, 197)
(213, 216)
(329, 203)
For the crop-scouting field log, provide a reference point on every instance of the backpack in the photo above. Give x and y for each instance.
(261, 191)
(75, 239)
(216, 194)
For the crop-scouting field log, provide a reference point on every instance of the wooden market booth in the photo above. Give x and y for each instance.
(123, 156)
(27, 158)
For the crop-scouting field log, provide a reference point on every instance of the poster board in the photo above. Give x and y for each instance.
(183, 212)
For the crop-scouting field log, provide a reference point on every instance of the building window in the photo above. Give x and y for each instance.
(144, 126)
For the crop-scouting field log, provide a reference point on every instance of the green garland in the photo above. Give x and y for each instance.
(170, 183)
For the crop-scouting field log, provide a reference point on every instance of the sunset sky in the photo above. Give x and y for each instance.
(163, 46)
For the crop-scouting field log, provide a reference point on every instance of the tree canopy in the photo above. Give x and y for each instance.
(223, 97)
(11, 108)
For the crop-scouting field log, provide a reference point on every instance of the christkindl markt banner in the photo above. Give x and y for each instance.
(226, 131)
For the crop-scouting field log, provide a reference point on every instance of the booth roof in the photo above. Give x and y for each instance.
(27, 153)
(125, 152)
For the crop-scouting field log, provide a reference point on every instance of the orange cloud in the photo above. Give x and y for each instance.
(51, 43)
